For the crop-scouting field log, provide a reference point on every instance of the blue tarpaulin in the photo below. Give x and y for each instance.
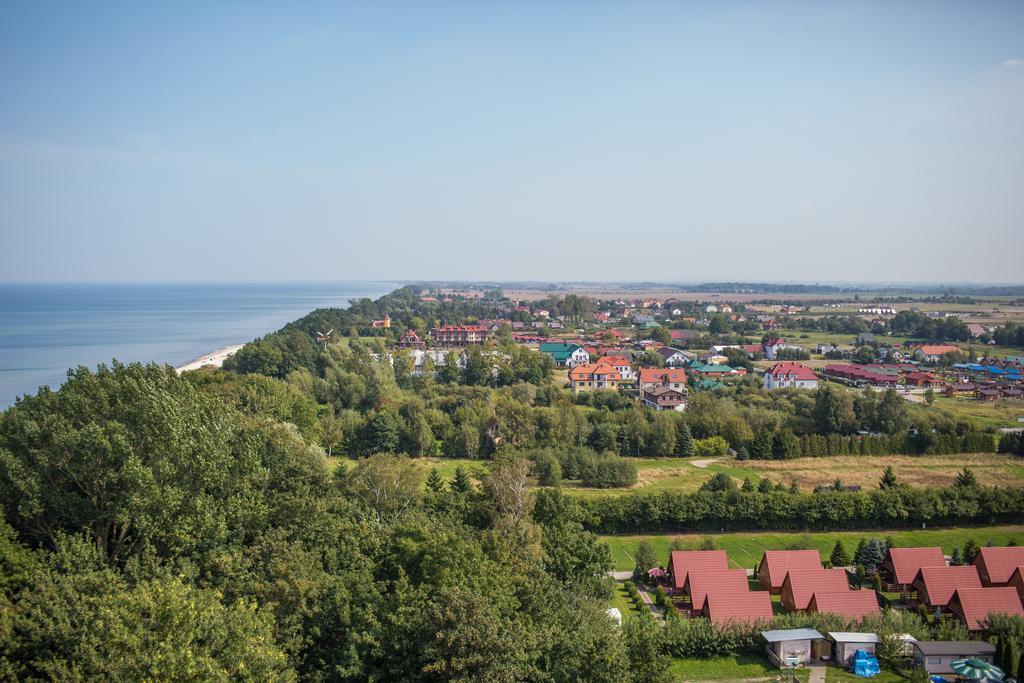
(865, 664)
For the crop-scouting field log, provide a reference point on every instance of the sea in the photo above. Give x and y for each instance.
(45, 329)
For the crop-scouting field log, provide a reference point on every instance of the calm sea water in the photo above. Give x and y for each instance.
(46, 329)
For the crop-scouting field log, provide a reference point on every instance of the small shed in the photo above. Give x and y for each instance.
(936, 656)
(792, 647)
(847, 642)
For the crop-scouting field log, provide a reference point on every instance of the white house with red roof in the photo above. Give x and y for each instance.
(787, 374)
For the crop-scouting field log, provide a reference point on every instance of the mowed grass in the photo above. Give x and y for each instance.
(984, 413)
(625, 604)
(746, 548)
(656, 475)
(736, 668)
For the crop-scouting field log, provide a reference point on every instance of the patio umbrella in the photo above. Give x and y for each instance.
(977, 669)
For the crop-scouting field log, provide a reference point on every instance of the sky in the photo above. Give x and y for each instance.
(526, 140)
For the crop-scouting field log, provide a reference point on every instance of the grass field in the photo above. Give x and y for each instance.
(622, 600)
(738, 668)
(744, 549)
(984, 413)
(679, 474)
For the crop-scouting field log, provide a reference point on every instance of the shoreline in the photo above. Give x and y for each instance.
(213, 359)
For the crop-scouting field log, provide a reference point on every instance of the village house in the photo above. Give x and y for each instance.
(972, 606)
(787, 374)
(847, 603)
(997, 565)
(385, 323)
(459, 335)
(801, 585)
(593, 376)
(664, 398)
(933, 353)
(900, 566)
(565, 354)
(937, 656)
(623, 365)
(935, 586)
(703, 582)
(773, 345)
(673, 358)
(673, 378)
(776, 564)
(411, 340)
(1017, 581)
(681, 562)
(738, 607)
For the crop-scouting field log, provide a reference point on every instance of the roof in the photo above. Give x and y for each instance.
(941, 582)
(1000, 563)
(852, 637)
(781, 561)
(804, 583)
(704, 582)
(660, 375)
(954, 647)
(680, 562)
(906, 562)
(739, 607)
(848, 603)
(791, 371)
(667, 352)
(938, 349)
(589, 371)
(616, 361)
(791, 634)
(977, 603)
(559, 350)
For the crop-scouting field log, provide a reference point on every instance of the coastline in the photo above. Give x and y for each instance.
(213, 359)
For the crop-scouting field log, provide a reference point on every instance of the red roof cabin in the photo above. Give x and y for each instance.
(701, 583)
(1017, 581)
(997, 565)
(935, 586)
(801, 585)
(749, 607)
(775, 564)
(901, 565)
(681, 562)
(973, 605)
(850, 604)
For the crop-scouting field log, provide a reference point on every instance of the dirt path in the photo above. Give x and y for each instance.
(704, 462)
(646, 597)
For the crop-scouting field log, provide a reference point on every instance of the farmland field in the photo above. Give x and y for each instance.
(684, 474)
(745, 548)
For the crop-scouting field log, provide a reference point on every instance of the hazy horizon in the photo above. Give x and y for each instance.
(556, 142)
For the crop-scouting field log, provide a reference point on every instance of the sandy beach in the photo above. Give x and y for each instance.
(214, 359)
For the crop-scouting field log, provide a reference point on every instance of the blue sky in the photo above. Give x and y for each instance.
(512, 140)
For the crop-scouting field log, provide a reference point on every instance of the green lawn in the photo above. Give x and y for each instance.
(738, 668)
(984, 413)
(625, 604)
(745, 549)
(835, 674)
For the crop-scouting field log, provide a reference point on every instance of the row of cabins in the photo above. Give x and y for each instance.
(990, 391)
(881, 375)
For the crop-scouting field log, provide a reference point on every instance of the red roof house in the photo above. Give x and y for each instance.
(777, 563)
(801, 585)
(901, 565)
(1017, 581)
(973, 605)
(848, 603)
(703, 582)
(752, 606)
(935, 586)
(996, 565)
(681, 562)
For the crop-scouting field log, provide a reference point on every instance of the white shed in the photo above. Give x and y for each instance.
(847, 642)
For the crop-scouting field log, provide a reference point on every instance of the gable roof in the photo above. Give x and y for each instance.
(938, 349)
(804, 583)
(559, 350)
(939, 583)
(739, 607)
(977, 603)
(781, 561)
(667, 352)
(906, 562)
(848, 603)
(588, 371)
(704, 582)
(999, 563)
(680, 562)
(787, 370)
(615, 361)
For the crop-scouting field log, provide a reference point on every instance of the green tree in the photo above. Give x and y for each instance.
(461, 483)
(381, 433)
(645, 647)
(833, 411)
(965, 478)
(386, 485)
(839, 557)
(970, 551)
(888, 480)
(434, 483)
(684, 440)
(929, 396)
(645, 560)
